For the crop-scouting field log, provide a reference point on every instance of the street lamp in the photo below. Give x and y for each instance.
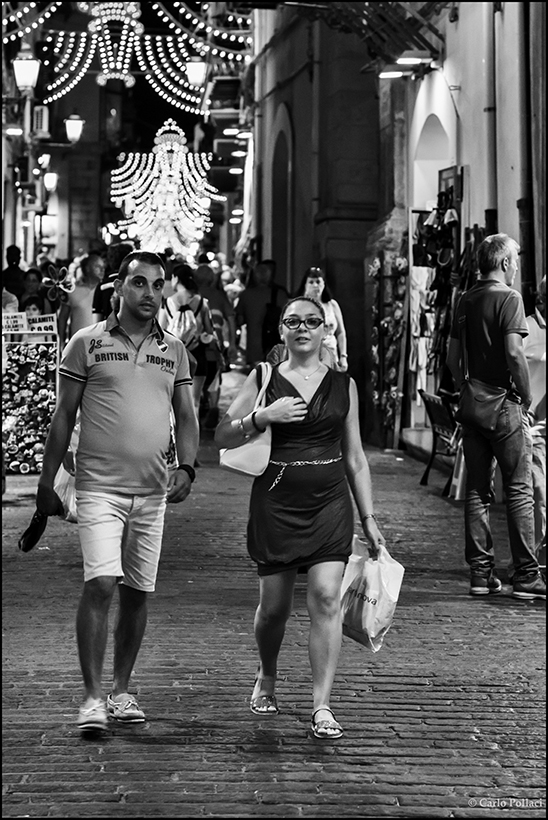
(74, 125)
(50, 181)
(196, 71)
(26, 67)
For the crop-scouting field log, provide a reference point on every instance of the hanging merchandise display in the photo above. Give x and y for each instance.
(389, 271)
(29, 373)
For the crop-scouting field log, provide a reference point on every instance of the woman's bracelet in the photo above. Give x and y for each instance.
(368, 515)
(254, 423)
(241, 429)
(343, 356)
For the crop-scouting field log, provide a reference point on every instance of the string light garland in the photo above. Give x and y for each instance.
(115, 35)
(165, 195)
(225, 53)
(26, 26)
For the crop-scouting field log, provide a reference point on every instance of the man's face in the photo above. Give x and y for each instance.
(141, 290)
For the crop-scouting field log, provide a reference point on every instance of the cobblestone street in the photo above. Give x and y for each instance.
(446, 720)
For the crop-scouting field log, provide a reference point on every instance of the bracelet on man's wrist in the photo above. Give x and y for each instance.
(343, 356)
(254, 423)
(189, 470)
(369, 515)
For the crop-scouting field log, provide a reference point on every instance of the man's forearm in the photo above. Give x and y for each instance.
(517, 365)
(56, 446)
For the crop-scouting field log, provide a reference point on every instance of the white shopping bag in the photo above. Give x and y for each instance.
(64, 487)
(369, 594)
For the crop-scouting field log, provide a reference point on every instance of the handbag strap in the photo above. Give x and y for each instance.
(265, 369)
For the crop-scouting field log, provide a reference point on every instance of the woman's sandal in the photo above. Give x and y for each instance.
(263, 704)
(326, 729)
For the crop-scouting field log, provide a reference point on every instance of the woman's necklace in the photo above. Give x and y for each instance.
(306, 378)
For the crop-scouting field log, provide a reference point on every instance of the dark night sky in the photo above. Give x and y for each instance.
(151, 110)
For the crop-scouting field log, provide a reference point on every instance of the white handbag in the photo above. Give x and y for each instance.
(252, 457)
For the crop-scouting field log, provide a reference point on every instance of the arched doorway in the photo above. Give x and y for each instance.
(431, 156)
(281, 210)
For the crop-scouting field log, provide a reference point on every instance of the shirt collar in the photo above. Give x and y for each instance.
(112, 323)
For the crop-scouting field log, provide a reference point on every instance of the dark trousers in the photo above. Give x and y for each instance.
(511, 445)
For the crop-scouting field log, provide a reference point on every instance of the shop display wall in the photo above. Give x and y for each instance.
(29, 373)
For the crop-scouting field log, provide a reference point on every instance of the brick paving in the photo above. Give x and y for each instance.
(446, 720)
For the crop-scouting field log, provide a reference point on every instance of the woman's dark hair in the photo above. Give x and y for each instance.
(303, 299)
(184, 275)
(327, 296)
(147, 257)
(37, 301)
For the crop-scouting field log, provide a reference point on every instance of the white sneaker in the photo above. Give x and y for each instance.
(125, 708)
(92, 716)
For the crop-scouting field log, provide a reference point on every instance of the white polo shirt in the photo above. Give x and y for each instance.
(126, 404)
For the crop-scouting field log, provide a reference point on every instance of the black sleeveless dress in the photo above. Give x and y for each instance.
(301, 513)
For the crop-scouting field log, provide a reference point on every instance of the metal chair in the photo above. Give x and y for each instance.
(445, 432)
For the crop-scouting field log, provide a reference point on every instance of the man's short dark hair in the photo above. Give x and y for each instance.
(13, 252)
(147, 257)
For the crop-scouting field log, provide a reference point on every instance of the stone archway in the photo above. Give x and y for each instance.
(432, 154)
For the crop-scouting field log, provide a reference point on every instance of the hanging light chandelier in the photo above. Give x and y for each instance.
(165, 194)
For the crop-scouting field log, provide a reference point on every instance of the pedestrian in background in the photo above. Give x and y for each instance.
(301, 517)
(313, 284)
(126, 376)
(12, 275)
(76, 312)
(259, 309)
(495, 321)
(104, 291)
(224, 323)
(33, 289)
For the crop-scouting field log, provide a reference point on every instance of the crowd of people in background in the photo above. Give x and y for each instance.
(236, 312)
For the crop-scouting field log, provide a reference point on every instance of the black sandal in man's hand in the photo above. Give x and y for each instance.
(34, 531)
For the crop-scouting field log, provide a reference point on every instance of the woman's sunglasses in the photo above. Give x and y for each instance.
(310, 323)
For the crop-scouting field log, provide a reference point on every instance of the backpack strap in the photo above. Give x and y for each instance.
(165, 306)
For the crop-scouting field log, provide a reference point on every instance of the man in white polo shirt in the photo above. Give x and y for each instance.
(126, 376)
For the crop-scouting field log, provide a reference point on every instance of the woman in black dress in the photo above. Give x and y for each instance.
(301, 517)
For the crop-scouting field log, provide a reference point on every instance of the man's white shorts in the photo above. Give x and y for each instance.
(121, 536)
